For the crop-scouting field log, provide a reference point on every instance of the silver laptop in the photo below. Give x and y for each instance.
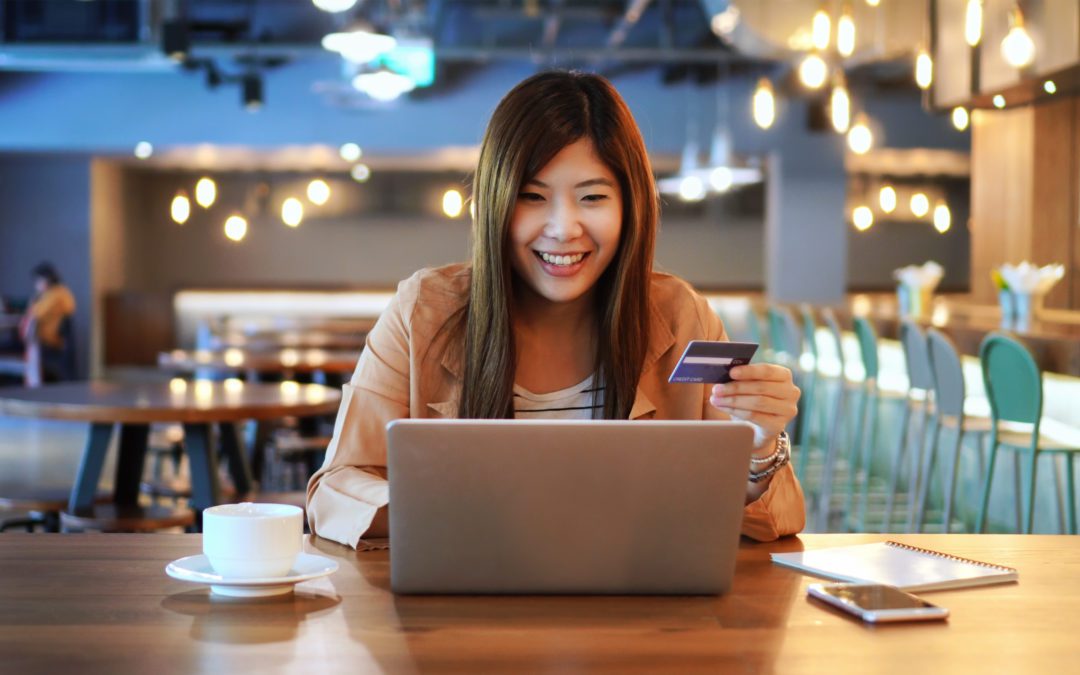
(556, 506)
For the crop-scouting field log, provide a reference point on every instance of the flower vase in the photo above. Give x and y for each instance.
(1008, 309)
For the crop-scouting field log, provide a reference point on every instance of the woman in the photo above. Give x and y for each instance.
(559, 314)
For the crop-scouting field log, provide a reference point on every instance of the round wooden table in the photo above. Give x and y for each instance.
(258, 362)
(134, 406)
(305, 339)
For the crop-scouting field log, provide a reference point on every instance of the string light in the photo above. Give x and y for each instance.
(973, 20)
(920, 205)
(205, 192)
(862, 217)
(840, 104)
(942, 217)
(452, 203)
(180, 210)
(924, 69)
(845, 33)
(236, 228)
(764, 104)
(350, 152)
(318, 192)
(1049, 87)
(820, 30)
(813, 71)
(292, 212)
(960, 118)
(1017, 47)
(859, 138)
(887, 199)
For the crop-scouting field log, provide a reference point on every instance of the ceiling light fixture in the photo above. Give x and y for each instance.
(942, 217)
(252, 88)
(998, 101)
(334, 6)
(359, 46)
(924, 69)
(845, 33)
(813, 72)
(973, 21)
(764, 104)
(821, 27)
(236, 228)
(862, 217)
(960, 118)
(292, 212)
(920, 204)
(840, 104)
(887, 199)
(205, 192)
(1017, 47)
(860, 138)
(143, 150)
(318, 192)
(350, 152)
(360, 173)
(452, 203)
(180, 209)
(383, 85)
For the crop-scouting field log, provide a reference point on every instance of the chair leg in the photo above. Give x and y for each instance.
(1070, 493)
(1018, 492)
(950, 488)
(1029, 496)
(1059, 492)
(831, 452)
(915, 467)
(980, 523)
(854, 454)
(898, 463)
(928, 474)
(869, 446)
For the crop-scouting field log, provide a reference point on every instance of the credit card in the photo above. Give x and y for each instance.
(705, 361)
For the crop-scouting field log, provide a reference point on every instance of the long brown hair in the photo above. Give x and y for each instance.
(533, 122)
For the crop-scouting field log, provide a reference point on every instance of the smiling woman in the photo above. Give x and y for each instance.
(559, 315)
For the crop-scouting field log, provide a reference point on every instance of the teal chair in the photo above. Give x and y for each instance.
(1014, 387)
(808, 401)
(916, 403)
(836, 404)
(950, 393)
(755, 333)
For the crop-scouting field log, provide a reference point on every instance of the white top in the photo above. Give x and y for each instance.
(573, 403)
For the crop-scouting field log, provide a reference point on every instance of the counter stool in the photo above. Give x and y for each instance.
(950, 395)
(916, 403)
(837, 404)
(1014, 386)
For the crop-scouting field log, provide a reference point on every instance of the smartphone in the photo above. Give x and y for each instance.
(877, 603)
(711, 362)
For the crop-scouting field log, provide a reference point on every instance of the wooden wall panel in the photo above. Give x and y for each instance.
(1001, 193)
(1054, 199)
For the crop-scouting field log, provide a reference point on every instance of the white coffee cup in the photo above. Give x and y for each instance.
(250, 541)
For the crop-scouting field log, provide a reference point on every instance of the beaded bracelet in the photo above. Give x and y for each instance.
(783, 456)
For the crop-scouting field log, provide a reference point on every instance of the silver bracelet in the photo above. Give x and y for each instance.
(783, 453)
(771, 458)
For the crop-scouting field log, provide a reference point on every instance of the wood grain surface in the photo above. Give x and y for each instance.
(190, 402)
(236, 360)
(103, 604)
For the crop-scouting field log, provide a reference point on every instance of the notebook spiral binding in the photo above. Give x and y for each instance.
(939, 554)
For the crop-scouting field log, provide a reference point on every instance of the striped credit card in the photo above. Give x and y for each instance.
(705, 361)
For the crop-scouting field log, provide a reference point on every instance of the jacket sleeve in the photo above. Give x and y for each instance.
(344, 495)
(781, 510)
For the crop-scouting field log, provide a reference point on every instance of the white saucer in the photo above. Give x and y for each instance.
(197, 569)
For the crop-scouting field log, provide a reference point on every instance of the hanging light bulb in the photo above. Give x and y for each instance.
(236, 227)
(181, 208)
(1050, 87)
(821, 27)
(205, 192)
(845, 33)
(350, 152)
(873, 3)
(691, 189)
(292, 212)
(1018, 48)
(334, 6)
(942, 217)
(887, 199)
(318, 192)
(920, 205)
(999, 101)
(813, 71)
(452, 203)
(862, 217)
(973, 20)
(721, 179)
(840, 104)
(143, 149)
(960, 118)
(924, 69)
(360, 173)
(859, 138)
(764, 104)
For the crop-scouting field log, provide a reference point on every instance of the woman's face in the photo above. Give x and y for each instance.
(566, 224)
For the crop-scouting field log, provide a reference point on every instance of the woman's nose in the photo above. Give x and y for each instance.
(564, 222)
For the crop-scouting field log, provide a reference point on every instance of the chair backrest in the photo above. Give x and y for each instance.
(837, 335)
(948, 373)
(777, 340)
(753, 327)
(867, 336)
(784, 333)
(1012, 379)
(809, 329)
(916, 355)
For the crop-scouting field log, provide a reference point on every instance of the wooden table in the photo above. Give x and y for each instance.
(257, 362)
(102, 604)
(134, 407)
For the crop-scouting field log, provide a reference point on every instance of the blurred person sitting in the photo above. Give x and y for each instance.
(46, 328)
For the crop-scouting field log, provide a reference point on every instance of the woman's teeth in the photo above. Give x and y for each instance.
(562, 260)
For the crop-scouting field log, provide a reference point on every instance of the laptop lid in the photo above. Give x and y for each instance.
(557, 506)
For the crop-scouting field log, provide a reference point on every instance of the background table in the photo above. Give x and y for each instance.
(257, 362)
(134, 407)
(102, 604)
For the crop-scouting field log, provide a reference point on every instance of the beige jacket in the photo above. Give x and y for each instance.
(48, 311)
(408, 371)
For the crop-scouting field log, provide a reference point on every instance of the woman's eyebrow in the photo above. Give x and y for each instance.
(584, 183)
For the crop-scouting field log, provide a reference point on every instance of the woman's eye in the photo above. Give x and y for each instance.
(530, 197)
(594, 198)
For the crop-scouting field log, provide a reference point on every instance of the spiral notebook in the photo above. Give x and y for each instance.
(907, 567)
